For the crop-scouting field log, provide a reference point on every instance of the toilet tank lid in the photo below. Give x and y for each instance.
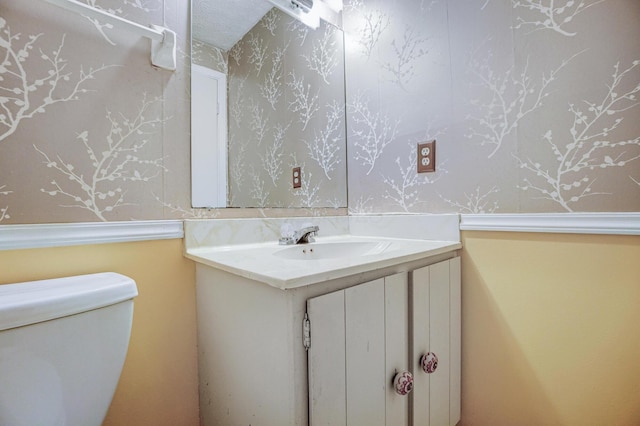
(36, 301)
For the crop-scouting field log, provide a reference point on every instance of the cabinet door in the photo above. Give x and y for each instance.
(362, 336)
(359, 340)
(396, 345)
(435, 311)
(327, 363)
(365, 350)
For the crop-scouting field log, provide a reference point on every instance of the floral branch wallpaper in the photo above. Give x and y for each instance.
(533, 105)
(89, 130)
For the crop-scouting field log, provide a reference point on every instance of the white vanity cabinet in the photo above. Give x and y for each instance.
(364, 335)
(254, 368)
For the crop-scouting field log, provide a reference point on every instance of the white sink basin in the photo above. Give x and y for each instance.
(321, 251)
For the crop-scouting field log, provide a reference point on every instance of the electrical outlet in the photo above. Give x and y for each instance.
(297, 177)
(427, 157)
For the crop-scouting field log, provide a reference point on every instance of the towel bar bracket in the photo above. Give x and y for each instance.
(163, 53)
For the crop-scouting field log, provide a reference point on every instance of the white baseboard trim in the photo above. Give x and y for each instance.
(568, 223)
(69, 234)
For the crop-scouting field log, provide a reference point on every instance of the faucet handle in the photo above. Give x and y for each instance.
(287, 230)
(285, 241)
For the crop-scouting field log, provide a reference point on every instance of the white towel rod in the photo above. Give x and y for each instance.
(163, 40)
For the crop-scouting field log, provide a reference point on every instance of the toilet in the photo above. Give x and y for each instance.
(62, 347)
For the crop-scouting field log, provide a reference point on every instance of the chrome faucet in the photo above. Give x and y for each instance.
(301, 236)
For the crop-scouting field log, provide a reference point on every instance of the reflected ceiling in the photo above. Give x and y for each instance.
(222, 23)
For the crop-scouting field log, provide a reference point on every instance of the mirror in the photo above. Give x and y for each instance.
(285, 117)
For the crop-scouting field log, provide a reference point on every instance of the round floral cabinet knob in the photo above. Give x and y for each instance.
(429, 362)
(403, 383)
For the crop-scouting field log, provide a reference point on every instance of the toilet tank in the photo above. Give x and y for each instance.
(62, 347)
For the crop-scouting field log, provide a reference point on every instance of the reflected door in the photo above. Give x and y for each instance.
(208, 138)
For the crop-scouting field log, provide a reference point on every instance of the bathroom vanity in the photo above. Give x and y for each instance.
(317, 333)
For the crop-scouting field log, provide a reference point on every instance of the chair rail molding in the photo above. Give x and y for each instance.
(68, 234)
(567, 223)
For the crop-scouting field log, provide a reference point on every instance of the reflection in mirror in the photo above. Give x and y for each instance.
(285, 103)
(208, 137)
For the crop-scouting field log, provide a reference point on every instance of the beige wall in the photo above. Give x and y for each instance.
(550, 329)
(158, 385)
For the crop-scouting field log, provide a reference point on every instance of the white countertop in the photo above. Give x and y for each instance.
(264, 261)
